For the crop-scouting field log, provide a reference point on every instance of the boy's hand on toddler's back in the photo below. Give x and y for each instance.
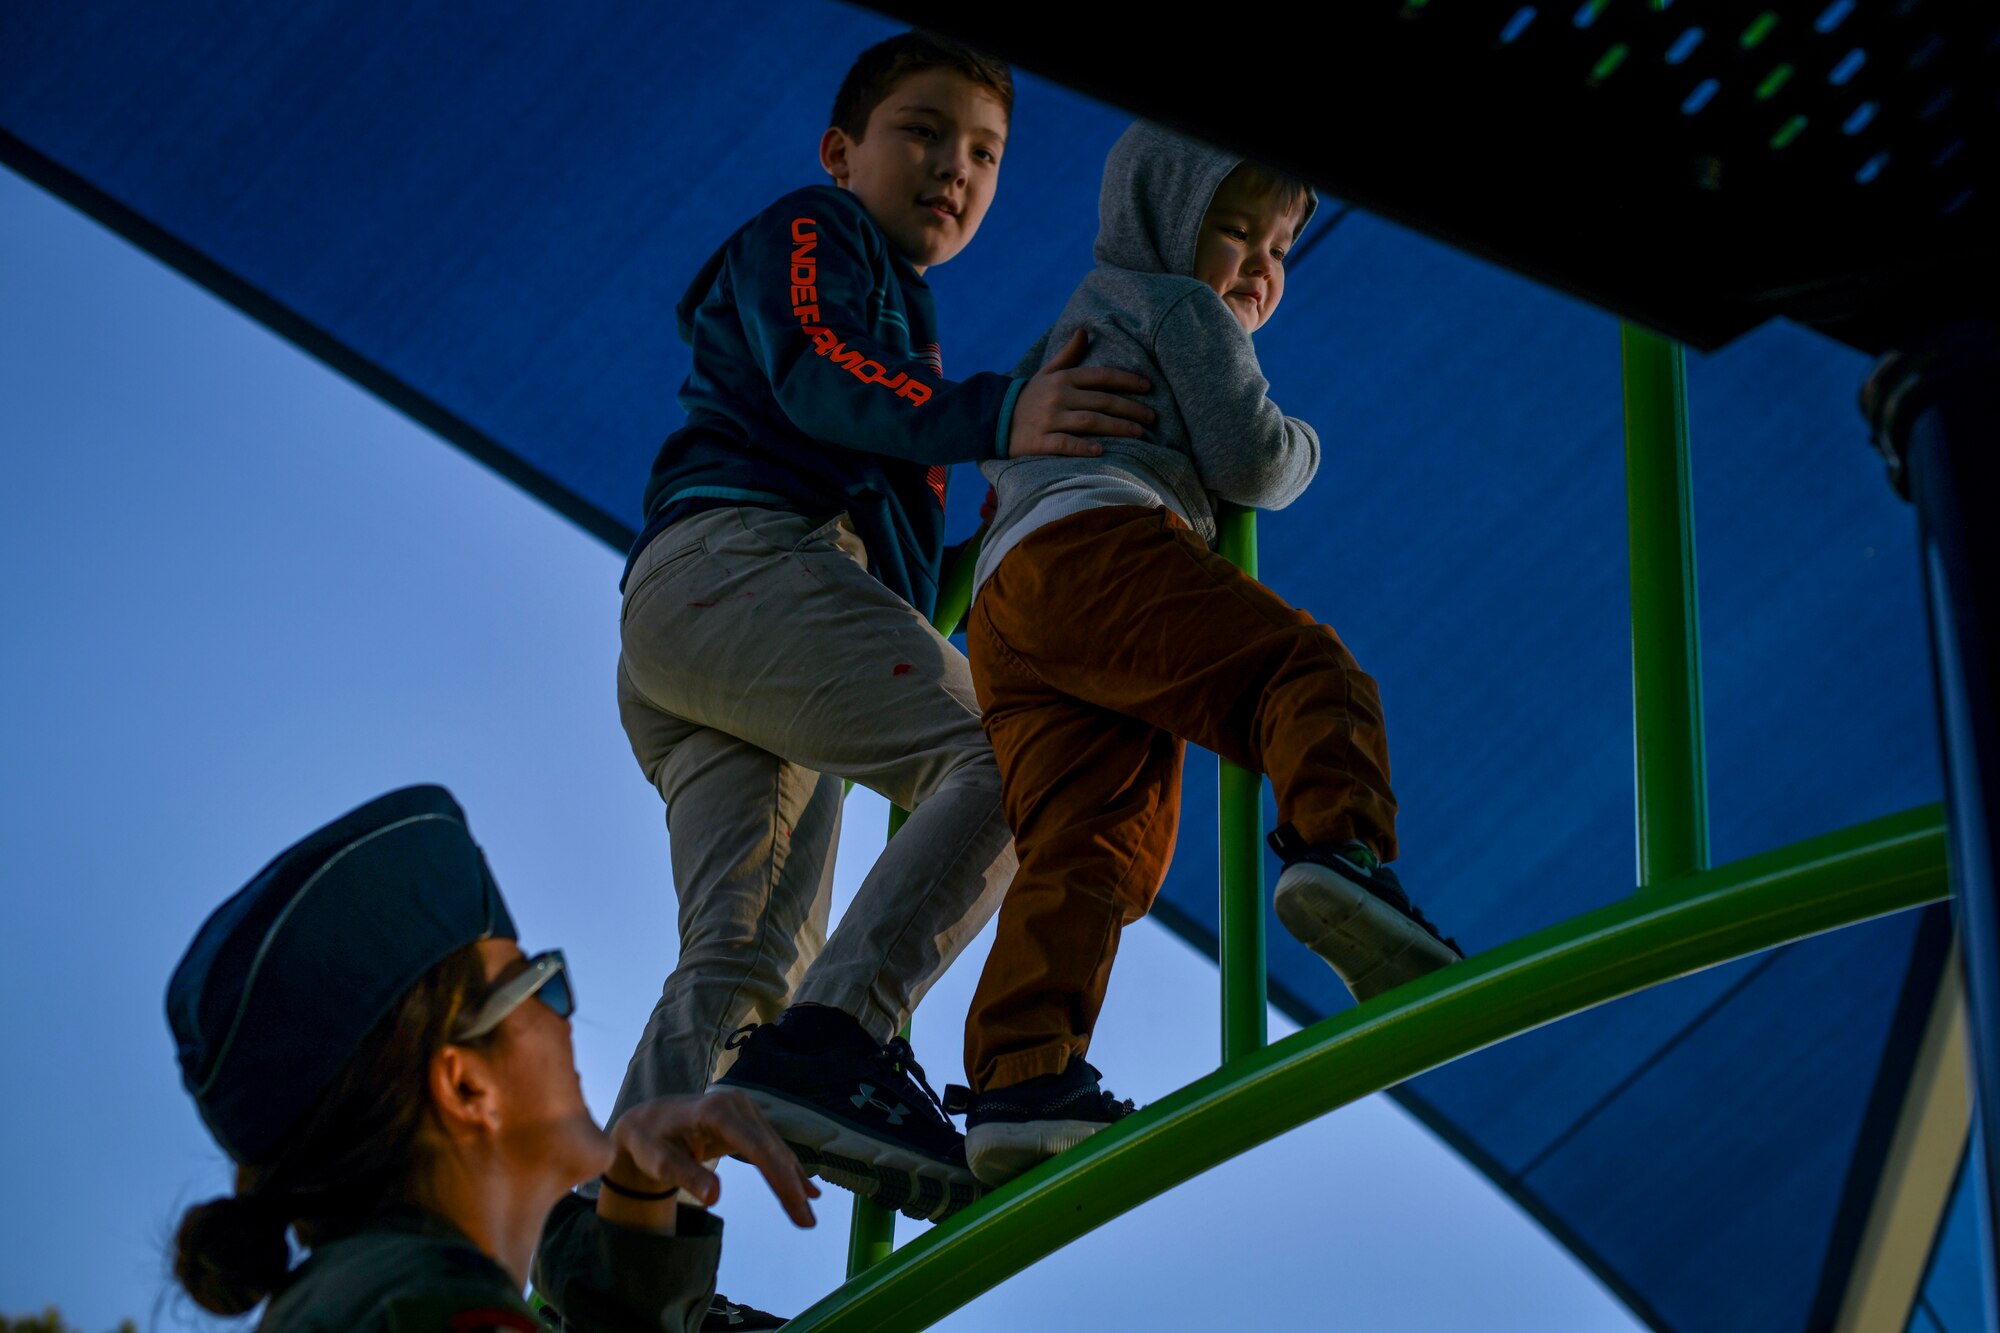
(1065, 402)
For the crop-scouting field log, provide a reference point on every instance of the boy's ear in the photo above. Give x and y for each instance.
(833, 146)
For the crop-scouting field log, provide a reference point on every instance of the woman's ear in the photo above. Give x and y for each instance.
(833, 147)
(464, 1093)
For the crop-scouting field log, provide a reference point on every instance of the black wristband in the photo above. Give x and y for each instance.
(626, 1191)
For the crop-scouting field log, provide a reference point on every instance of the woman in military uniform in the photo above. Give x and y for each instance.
(394, 1079)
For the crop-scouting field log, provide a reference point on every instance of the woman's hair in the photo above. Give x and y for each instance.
(357, 1153)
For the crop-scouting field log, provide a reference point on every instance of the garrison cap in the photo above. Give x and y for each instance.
(284, 980)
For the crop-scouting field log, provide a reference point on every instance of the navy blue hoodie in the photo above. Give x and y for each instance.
(818, 387)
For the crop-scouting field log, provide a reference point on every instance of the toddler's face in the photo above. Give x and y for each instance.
(1241, 250)
(927, 167)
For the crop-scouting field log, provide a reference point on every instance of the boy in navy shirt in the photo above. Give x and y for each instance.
(775, 633)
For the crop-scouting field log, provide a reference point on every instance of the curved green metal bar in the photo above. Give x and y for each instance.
(1674, 928)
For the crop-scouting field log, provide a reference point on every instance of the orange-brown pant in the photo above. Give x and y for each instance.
(1102, 643)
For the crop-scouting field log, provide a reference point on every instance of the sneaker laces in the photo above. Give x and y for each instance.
(958, 1099)
(1417, 915)
(1115, 1108)
(898, 1052)
(1361, 854)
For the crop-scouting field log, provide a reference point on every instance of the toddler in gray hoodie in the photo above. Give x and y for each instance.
(1106, 633)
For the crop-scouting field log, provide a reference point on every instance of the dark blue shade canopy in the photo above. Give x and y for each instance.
(485, 213)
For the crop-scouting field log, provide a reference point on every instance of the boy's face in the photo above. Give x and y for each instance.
(1241, 250)
(927, 166)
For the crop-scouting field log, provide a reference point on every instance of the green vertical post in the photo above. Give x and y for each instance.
(1240, 915)
(871, 1236)
(1669, 751)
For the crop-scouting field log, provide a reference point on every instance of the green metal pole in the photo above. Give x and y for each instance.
(1694, 922)
(871, 1234)
(955, 589)
(1240, 911)
(1669, 752)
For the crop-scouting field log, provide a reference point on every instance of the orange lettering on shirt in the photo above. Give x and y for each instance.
(805, 309)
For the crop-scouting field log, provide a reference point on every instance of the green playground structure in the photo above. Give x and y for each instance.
(1683, 916)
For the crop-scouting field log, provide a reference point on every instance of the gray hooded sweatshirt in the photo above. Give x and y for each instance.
(1218, 435)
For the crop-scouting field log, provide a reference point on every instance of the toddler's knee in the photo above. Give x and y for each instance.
(1319, 643)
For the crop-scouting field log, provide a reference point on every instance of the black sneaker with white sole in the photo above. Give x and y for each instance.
(1341, 902)
(858, 1115)
(1013, 1129)
(726, 1316)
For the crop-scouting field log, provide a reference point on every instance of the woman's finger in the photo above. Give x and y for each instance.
(742, 1129)
(782, 1172)
(688, 1172)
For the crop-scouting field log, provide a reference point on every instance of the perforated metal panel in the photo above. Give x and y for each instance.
(1697, 167)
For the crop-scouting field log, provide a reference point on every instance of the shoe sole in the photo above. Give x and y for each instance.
(893, 1176)
(1002, 1150)
(1372, 946)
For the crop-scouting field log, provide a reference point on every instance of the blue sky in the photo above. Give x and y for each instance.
(244, 596)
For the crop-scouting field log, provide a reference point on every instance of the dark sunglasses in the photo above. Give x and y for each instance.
(545, 978)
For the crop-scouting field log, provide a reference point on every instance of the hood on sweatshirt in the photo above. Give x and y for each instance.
(1157, 186)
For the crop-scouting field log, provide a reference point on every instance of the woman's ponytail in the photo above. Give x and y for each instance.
(231, 1252)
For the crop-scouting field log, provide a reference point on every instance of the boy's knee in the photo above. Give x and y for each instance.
(647, 731)
(974, 768)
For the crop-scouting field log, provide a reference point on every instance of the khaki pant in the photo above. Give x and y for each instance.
(1101, 643)
(760, 666)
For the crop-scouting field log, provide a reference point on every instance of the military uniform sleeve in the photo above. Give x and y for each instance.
(605, 1278)
(803, 281)
(1245, 449)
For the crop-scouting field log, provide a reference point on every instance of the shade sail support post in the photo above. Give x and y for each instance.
(1934, 413)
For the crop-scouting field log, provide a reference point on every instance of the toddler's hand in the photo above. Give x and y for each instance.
(1063, 403)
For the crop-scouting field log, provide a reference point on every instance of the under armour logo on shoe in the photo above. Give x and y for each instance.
(867, 1097)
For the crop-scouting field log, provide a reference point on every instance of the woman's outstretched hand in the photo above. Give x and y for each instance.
(664, 1144)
